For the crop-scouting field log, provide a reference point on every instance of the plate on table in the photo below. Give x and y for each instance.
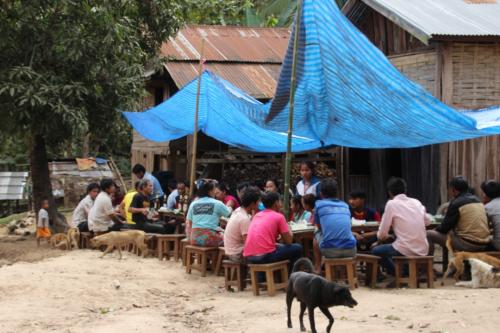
(301, 227)
(164, 210)
(371, 224)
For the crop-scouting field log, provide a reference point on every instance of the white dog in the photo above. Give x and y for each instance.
(483, 275)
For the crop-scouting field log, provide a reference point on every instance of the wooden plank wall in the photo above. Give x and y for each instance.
(475, 76)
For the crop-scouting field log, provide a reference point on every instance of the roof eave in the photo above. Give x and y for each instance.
(417, 32)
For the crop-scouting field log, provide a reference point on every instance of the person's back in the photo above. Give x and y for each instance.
(472, 222)
(407, 217)
(99, 219)
(335, 219)
(263, 232)
(127, 201)
(80, 214)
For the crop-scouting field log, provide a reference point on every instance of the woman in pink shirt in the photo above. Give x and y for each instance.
(222, 194)
(407, 218)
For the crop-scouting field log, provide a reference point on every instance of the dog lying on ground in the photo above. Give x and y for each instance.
(73, 238)
(314, 291)
(483, 275)
(59, 241)
(456, 265)
(118, 239)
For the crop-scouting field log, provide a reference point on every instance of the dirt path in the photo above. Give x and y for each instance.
(77, 292)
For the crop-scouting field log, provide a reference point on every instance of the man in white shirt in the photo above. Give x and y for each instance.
(80, 214)
(102, 216)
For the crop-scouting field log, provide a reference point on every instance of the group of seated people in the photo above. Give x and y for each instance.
(252, 227)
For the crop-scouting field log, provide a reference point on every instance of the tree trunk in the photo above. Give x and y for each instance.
(40, 177)
(86, 145)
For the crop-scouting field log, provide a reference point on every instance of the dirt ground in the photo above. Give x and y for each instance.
(48, 290)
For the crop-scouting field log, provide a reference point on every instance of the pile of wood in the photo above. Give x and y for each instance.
(322, 171)
(22, 227)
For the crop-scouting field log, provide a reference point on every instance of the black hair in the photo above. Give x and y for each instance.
(459, 183)
(329, 188)
(297, 200)
(205, 187)
(396, 186)
(260, 184)
(222, 186)
(243, 185)
(138, 168)
(309, 199)
(91, 187)
(136, 184)
(172, 183)
(357, 195)
(275, 182)
(310, 165)
(269, 199)
(106, 183)
(250, 195)
(491, 188)
(185, 182)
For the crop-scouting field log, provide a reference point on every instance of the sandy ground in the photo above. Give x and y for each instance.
(77, 292)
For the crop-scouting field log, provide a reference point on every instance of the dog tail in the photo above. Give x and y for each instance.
(303, 264)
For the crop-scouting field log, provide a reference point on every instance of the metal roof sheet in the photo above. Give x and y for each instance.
(12, 185)
(433, 18)
(228, 44)
(257, 80)
(70, 168)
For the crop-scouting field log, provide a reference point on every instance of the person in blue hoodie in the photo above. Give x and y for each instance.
(332, 216)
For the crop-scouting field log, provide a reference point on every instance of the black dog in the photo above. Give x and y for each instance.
(314, 291)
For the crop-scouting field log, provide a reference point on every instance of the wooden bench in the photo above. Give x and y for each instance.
(280, 267)
(341, 269)
(371, 268)
(198, 257)
(234, 275)
(167, 243)
(414, 264)
(220, 258)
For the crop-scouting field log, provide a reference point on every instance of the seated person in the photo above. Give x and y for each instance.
(266, 227)
(239, 222)
(465, 219)
(182, 198)
(298, 213)
(80, 214)
(308, 202)
(271, 186)
(408, 218)
(359, 211)
(125, 204)
(171, 199)
(102, 216)
(141, 214)
(222, 194)
(334, 238)
(203, 217)
(491, 198)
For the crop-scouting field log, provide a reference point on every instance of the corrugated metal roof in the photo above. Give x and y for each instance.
(70, 168)
(12, 185)
(228, 43)
(257, 80)
(433, 18)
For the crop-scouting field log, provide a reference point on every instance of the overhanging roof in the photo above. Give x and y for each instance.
(248, 57)
(13, 185)
(441, 19)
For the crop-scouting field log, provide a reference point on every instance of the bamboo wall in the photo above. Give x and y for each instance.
(475, 76)
(418, 67)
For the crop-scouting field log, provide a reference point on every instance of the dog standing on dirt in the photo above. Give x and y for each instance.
(314, 291)
(483, 275)
(73, 238)
(59, 241)
(118, 239)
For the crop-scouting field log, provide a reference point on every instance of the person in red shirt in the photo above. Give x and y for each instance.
(261, 245)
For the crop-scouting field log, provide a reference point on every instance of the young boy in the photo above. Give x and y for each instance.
(42, 228)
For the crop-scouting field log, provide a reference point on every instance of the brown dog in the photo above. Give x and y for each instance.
(59, 240)
(73, 238)
(118, 239)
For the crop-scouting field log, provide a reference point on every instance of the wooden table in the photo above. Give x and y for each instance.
(180, 218)
(305, 238)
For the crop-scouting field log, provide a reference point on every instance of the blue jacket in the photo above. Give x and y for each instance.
(334, 217)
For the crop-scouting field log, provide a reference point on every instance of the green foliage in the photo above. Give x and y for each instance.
(69, 66)
(227, 12)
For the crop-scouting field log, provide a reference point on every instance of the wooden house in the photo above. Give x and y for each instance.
(452, 49)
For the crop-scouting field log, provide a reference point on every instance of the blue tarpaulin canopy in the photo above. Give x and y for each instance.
(348, 94)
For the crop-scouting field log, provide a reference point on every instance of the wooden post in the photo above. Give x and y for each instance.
(192, 174)
(288, 159)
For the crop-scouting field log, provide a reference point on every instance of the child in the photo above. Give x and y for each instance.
(309, 182)
(299, 214)
(42, 228)
(308, 202)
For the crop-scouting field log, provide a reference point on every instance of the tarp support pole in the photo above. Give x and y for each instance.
(192, 174)
(288, 158)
